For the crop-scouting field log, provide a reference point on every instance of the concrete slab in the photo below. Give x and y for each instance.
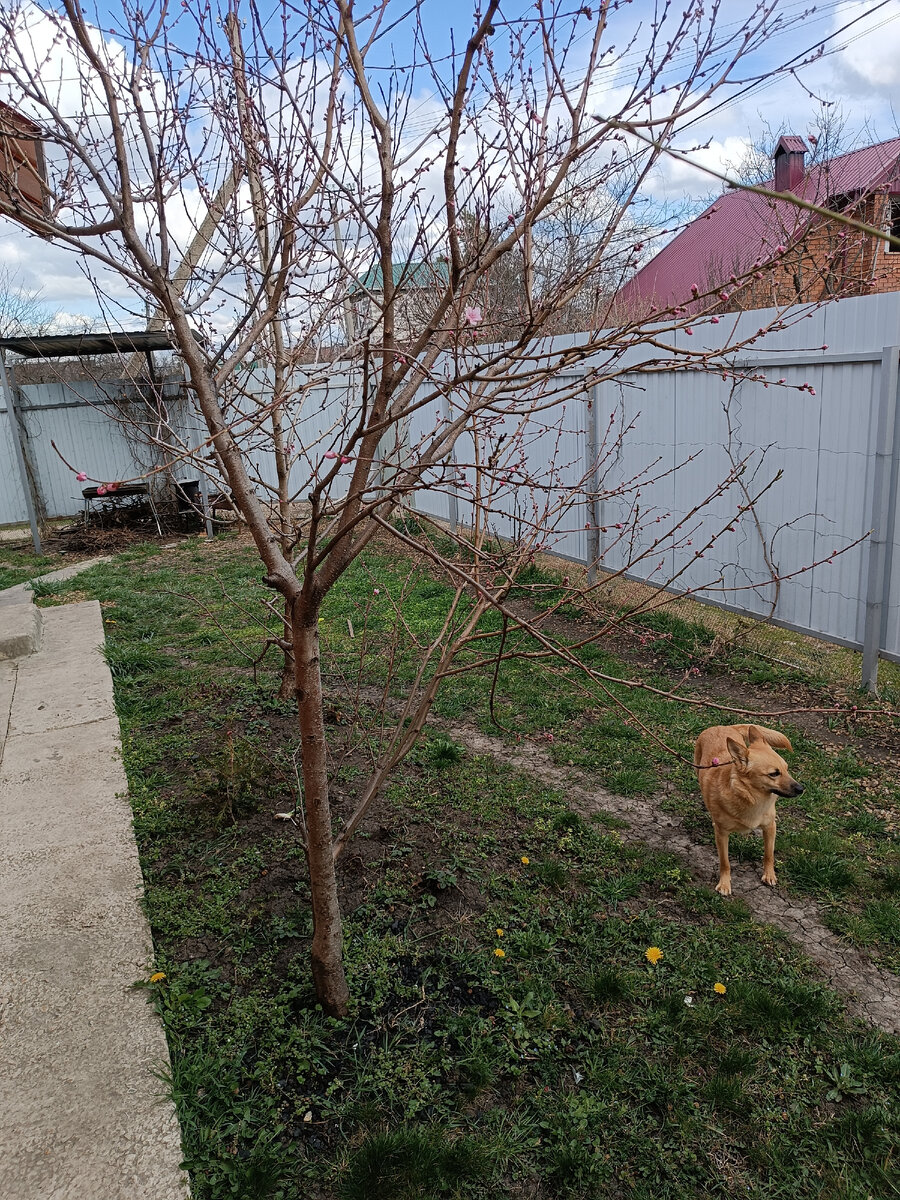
(81, 1111)
(20, 629)
(75, 569)
(62, 789)
(21, 621)
(58, 694)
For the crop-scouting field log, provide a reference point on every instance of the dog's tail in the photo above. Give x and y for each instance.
(775, 739)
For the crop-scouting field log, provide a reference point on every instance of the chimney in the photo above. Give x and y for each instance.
(789, 166)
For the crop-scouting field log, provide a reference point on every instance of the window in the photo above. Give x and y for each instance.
(895, 225)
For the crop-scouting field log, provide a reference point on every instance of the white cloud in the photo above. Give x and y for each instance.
(871, 61)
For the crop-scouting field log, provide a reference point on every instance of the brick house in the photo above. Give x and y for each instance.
(761, 252)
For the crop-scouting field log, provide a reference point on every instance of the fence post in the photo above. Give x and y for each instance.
(592, 447)
(881, 517)
(15, 430)
(451, 495)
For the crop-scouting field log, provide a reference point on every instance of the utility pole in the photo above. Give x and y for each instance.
(349, 323)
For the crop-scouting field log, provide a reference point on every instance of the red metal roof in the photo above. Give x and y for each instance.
(742, 228)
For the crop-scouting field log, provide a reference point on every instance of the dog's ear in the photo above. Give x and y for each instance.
(738, 752)
(754, 734)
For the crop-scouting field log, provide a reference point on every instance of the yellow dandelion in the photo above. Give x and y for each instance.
(525, 860)
(498, 953)
(157, 976)
(653, 954)
(499, 933)
(719, 988)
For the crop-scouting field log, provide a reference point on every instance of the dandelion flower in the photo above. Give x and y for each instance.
(653, 954)
(157, 976)
(719, 989)
(498, 953)
(525, 860)
(499, 933)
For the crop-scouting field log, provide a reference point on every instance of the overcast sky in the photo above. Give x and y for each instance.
(859, 75)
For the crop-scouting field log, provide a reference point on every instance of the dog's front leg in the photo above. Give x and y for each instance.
(768, 875)
(723, 887)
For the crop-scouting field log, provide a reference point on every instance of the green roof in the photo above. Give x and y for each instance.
(406, 275)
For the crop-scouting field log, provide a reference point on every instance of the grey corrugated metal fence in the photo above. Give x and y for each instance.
(97, 427)
(650, 442)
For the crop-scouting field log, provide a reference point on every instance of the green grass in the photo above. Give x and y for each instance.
(568, 1065)
(19, 565)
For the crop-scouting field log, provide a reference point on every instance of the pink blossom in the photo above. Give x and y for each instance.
(825, 347)
(330, 454)
(473, 315)
(345, 459)
(779, 249)
(715, 762)
(723, 295)
(688, 331)
(694, 288)
(101, 490)
(715, 320)
(812, 391)
(81, 477)
(782, 380)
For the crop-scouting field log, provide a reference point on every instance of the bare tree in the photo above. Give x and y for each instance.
(284, 156)
(21, 309)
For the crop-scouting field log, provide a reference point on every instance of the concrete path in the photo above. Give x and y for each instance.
(21, 622)
(81, 1113)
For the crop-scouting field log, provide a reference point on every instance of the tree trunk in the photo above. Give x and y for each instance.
(327, 952)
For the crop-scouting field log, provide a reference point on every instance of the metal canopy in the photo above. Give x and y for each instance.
(66, 345)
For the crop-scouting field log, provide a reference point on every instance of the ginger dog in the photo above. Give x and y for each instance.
(740, 793)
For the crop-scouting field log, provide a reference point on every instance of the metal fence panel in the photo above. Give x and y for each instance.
(665, 438)
(13, 510)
